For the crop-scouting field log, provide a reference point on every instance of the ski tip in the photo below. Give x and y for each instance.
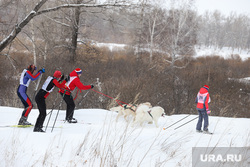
(21, 126)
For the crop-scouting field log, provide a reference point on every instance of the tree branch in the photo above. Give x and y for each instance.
(18, 28)
(80, 5)
(5, 42)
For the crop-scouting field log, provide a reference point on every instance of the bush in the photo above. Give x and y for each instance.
(129, 78)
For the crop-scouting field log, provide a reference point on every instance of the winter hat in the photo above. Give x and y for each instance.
(31, 67)
(78, 71)
(206, 87)
(57, 74)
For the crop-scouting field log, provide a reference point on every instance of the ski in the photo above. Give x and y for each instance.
(88, 123)
(23, 126)
(204, 132)
(17, 126)
(209, 133)
(199, 131)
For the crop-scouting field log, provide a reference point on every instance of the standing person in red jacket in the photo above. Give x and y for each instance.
(72, 83)
(26, 77)
(202, 101)
(43, 93)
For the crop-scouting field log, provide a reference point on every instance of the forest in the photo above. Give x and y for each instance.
(156, 65)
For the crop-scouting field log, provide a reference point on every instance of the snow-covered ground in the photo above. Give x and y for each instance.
(97, 140)
(111, 46)
(224, 52)
(201, 51)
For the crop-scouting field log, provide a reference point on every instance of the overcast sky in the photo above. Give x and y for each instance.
(224, 6)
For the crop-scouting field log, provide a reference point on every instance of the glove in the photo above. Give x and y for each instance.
(62, 77)
(42, 70)
(208, 111)
(92, 86)
(67, 78)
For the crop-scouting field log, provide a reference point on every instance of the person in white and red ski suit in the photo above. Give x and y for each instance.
(72, 83)
(202, 100)
(43, 93)
(26, 77)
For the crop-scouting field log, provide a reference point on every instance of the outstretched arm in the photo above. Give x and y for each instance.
(33, 77)
(81, 86)
(59, 85)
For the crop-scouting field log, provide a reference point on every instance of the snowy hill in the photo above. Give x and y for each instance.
(224, 52)
(97, 140)
(201, 51)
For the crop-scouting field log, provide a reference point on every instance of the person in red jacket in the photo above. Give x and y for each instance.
(72, 83)
(202, 101)
(43, 93)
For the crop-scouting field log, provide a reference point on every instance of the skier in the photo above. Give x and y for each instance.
(43, 93)
(26, 77)
(73, 81)
(202, 101)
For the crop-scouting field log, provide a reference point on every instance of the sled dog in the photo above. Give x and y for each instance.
(147, 114)
(127, 110)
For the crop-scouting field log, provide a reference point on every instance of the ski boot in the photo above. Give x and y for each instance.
(37, 129)
(72, 120)
(199, 131)
(23, 121)
(207, 132)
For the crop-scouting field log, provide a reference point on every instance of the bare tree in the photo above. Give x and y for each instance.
(36, 11)
(75, 29)
(154, 25)
(179, 42)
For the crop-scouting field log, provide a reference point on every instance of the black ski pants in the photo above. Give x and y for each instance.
(40, 100)
(70, 106)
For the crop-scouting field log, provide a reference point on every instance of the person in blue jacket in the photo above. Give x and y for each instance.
(26, 77)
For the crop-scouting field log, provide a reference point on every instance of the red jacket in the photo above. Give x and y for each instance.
(74, 82)
(203, 99)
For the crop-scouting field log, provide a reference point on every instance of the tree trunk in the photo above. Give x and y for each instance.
(75, 29)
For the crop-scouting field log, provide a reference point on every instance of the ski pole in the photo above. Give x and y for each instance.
(38, 82)
(51, 113)
(176, 122)
(52, 109)
(186, 123)
(48, 120)
(78, 104)
(82, 98)
(58, 111)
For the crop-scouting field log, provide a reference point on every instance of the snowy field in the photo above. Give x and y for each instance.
(201, 51)
(224, 52)
(97, 140)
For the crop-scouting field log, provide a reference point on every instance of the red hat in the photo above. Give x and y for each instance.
(57, 74)
(206, 86)
(78, 70)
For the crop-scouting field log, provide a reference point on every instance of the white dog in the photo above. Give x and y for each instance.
(147, 114)
(127, 110)
(124, 110)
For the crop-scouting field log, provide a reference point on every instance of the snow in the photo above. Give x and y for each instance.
(201, 51)
(97, 140)
(111, 46)
(224, 52)
(241, 80)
